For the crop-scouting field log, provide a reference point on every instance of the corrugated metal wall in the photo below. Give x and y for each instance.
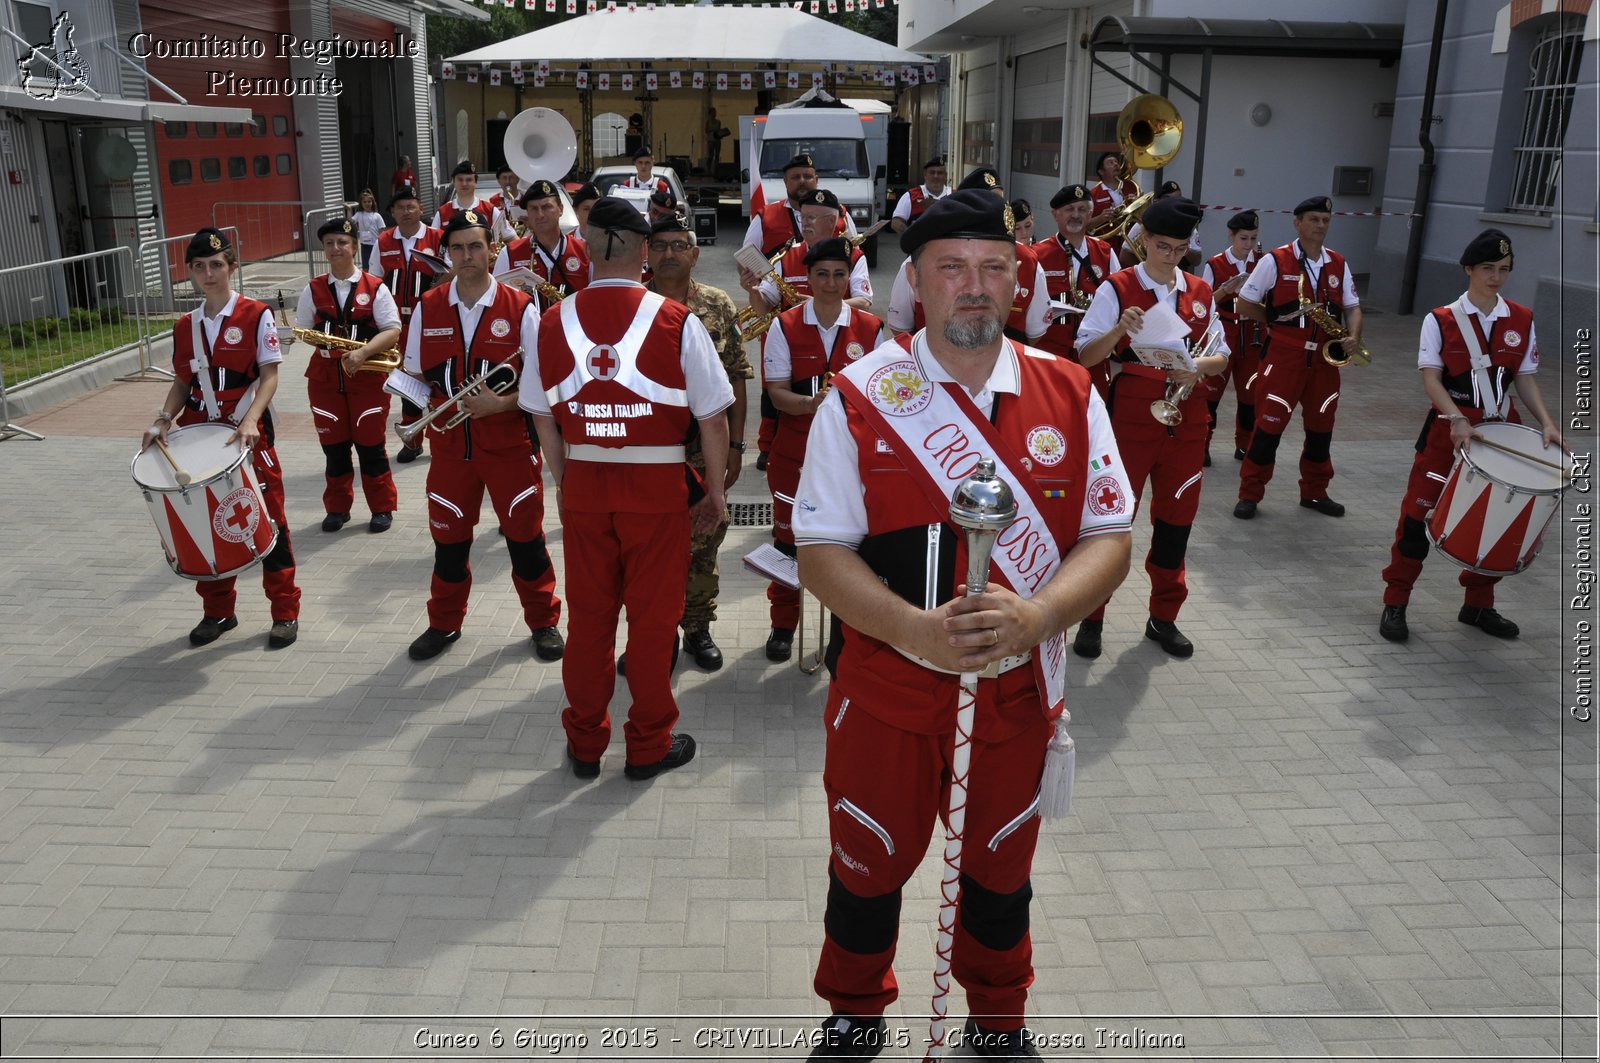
(422, 105)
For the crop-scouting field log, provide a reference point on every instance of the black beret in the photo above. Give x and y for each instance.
(937, 160)
(403, 192)
(336, 227)
(613, 215)
(539, 190)
(464, 166)
(962, 215)
(834, 250)
(1021, 209)
(821, 197)
(663, 200)
(1321, 204)
(1175, 217)
(585, 193)
(802, 160)
(206, 242)
(464, 219)
(670, 224)
(983, 178)
(1245, 219)
(1491, 245)
(1169, 188)
(1070, 194)
(643, 152)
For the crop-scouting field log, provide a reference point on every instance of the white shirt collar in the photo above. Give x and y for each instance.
(614, 282)
(398, 235)
(355, 275)
(1081, 246)
(809, 315)
(1153, 285)
(468, 205)
(227, 308)
(484, 300)
(1240, 262)
(1005, 377)
(1500, 307)
(1300, 252)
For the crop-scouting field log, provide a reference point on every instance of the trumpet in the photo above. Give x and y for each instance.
(1333, 329)
(754, 323)
(387, 362)
(1169, 408)
(507, 379)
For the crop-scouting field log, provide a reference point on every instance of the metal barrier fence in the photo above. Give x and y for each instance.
(312, 221)
(165, 291)
(64, 313)
(275, 229)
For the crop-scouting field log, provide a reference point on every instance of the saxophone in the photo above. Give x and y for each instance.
(387, 362)
(753, 323)
(1333, 329)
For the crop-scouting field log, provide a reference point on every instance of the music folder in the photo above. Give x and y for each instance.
(408, 387)
(767, 560)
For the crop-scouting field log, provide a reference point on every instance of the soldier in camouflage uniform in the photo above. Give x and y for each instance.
(673, 254)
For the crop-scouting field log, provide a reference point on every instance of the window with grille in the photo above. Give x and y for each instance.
(610, 131)
(1547, 104)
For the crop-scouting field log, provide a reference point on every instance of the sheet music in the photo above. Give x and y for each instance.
(751, 258)
(408, 387)
(1162, 341)
(767, 560)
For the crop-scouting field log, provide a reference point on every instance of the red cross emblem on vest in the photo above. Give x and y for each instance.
(603, 361)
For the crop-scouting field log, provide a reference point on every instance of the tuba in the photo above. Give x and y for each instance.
(1149, 133)
(540, 145)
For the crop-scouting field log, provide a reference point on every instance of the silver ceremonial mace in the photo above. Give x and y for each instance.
(983, 505)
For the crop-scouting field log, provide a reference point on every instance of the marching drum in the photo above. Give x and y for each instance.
(1500, 495)
(215, 524)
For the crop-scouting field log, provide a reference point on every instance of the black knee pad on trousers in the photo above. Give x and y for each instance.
(1168, 543)
(338, 455)
(529, 560)
(1413, 540)
(1317, 447)
(450, 561)
(281, 556)
(997, 921)
(374, 462)
(1264, 447)
(863, 925)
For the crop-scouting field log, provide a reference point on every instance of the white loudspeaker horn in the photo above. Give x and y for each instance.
(540, 145)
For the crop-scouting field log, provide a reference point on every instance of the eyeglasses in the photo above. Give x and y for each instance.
(677, 247)
(1167, 250)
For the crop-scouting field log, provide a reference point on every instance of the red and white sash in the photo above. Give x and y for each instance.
(941, 435)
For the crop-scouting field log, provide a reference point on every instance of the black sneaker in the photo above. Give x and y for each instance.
(283, 633)
(431, 643)
(548, 645)
(1245, 510)
(1488, 621)
(703, 648)
(679, 753)
(334, 521)
(381, 522)
(1324, 505)
(761, 461)
(1238, 454)
(850, 1037)
(583, 769)
(1392, 624)
(780, 644)
(1086, 643)
(210, 628)
(1207, 462)
(998, 1044)
(407, 455)
(1167, 634)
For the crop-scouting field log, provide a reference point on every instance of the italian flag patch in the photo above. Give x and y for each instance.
(1102, 462)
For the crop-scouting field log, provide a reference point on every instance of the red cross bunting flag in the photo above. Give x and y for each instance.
(549, 5)
(675, 79)
(603, 82)
(849, 5)
(930, 74)
(582, 79)
(627, 83)
(722, 83)
(448, 71)
(833, 7)
(538, 81)
(572, 7)
(770, 79)
(913, 76)
(591, 6)
(816, 79)
(744, 81)
(516, 76)
(651, 82)
(794, 79)
(815, 7)
(494, 76)
(516, 68)
(544, 68)
(699, 79)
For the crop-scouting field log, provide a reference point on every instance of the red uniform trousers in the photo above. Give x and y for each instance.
(783, 476)
(277, 568)
(886, 787)
(1428, 474)
(1171, 460)
(1243, 365)
(357, 412)
(455, 495)
(1292, 376)
(637, 561)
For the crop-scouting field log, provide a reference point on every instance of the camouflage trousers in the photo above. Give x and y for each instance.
(700, 597)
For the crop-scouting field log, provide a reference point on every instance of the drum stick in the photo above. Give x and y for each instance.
(179, 473)
(1566, 473)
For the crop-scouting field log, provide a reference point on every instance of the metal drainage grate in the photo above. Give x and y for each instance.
(750, 514)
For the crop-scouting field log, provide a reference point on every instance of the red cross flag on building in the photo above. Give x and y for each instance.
(581, 80)
(722, 82)
(675, 79)
(603, 82)
(929, 73)
(650, 82)
(849, 5)
(699, 79)
(472, 76)
(816, 79)
(770, 79)
(448, 71)
(572, 7)
(516, 69)
(544, 68)
(794, 79)
(494, 76)
(538, 81)
(591, 6)
(516, 76)
(833, 7)
(744, 82)
(627, 83)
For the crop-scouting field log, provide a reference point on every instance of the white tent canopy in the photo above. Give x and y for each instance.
(694, 34)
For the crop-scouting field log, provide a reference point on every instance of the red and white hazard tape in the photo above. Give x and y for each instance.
(1290, 210)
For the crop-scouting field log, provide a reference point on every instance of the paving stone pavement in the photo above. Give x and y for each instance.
(1305, 841)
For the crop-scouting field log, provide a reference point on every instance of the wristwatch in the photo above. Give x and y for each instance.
(741, 447)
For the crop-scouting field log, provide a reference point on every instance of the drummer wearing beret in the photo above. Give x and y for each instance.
(225, 358)
(1473, 353)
